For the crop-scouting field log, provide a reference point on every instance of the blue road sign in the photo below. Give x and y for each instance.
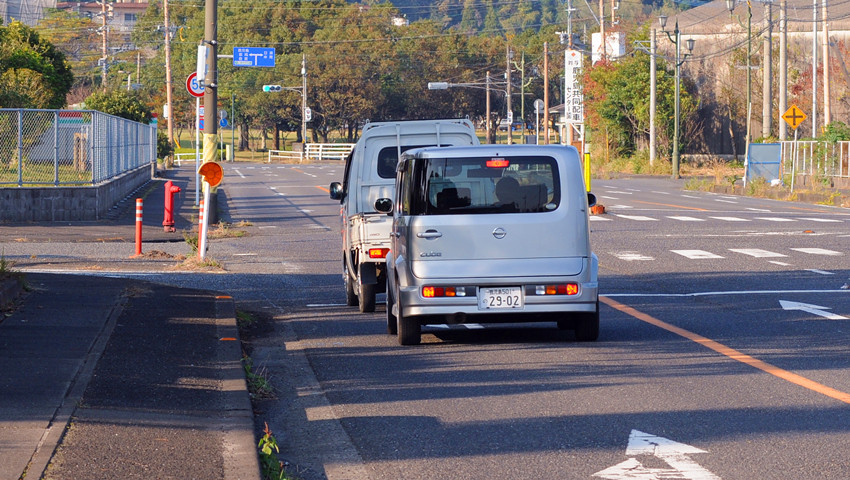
(222, 123)
(253, 57)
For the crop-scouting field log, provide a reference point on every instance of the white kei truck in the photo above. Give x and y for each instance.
(370, 173)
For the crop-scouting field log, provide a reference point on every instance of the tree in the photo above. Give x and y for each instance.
(33, 73)
(76, 37)
(121, 103)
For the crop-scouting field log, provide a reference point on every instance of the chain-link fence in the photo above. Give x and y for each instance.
(70, 147)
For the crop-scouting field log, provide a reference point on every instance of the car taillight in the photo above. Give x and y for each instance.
(437, 292)
(563, 289)
(378, 252)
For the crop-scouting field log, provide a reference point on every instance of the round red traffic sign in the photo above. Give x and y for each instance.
(195, 88)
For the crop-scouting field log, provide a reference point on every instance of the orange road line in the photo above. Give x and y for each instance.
(810, 209)
(299, 170)
(731, 352)
(671, 205)
(323, 189)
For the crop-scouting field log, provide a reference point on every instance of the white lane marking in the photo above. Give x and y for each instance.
(819, 272)
(686, 219)
(620, 207)
(597, 218)
(818, 251)
(776, 219)
(822, 220)
(758, 209)
(661, 193)
(696, 254)
(757, 252)
(239, 173)
(267, 226)
(724, 201)
(690, 196)
(812, 309)
(781, 264)
(731, 219)
(620, 192)
(676, 455)
(631, 256)
(609, 198)
(638, 218)
(244, 254)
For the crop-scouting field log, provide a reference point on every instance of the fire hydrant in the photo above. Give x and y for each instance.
(168, 219)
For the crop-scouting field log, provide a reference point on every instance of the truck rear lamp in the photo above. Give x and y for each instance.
(429, 291)
(378, 252)
(562, 289)
(498, 163)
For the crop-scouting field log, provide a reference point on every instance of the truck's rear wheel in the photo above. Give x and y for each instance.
(350, 296)
(366, 297)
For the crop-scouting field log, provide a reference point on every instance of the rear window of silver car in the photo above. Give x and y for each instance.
(482, 185)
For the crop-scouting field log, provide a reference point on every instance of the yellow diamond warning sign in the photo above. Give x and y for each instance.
(794, 117)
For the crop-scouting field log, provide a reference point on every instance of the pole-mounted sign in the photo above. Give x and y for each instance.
(195, 88)
(794, 117)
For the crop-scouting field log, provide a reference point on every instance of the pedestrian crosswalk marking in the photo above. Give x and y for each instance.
(686, 219)
(819, 272)
(631, 256)
(757, 252)
(696, 254)
(781, 264)
(818, 251)
(776, 219)
(597, 218)
(822, 220)
(731, 219)
(639, 218)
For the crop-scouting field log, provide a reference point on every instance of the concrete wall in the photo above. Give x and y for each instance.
(58, 204)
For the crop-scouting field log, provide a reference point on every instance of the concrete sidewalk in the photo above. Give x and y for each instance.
(104, 378)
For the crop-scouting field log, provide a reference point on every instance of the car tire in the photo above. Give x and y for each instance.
(587, 326)
(409, 330)
(350, 295)
(392, 320)
(366, 297)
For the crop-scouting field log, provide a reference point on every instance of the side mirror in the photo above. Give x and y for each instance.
(336, 191)
(384, 205)
(591, 199)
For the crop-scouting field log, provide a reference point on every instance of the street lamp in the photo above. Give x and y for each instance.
(676, 40)
(486, 85)
(730, 4)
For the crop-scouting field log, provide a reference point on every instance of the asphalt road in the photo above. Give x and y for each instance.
(722, 354)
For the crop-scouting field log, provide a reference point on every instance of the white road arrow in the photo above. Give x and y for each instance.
(813, 309)
(675, 454)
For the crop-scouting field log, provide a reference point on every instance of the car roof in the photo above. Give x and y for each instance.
(491, 151)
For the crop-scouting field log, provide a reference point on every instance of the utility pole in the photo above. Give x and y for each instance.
(168, 85)
(211, 80)
(545, 93)
(783, 66)
(602, 26)
(814, 68)
(508, 95)
(489, 130)
(767, 74)
(652, 100)
(826, 102)
(304, 98)
(103, 31)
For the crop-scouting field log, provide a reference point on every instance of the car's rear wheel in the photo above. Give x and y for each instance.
(409, 330)
(587, 326)
(392, 320)
(350, 295)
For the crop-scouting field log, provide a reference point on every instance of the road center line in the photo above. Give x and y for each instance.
(731, 352)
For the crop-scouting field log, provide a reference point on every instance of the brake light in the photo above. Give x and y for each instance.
(563, 289)
(378, 252)
(436, 292)
(498, 163)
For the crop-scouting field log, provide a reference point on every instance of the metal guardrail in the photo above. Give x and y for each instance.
(314, 152)
(179, 158)
(70, 147)
(824, 159)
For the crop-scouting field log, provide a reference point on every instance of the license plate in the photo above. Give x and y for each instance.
(500, 298)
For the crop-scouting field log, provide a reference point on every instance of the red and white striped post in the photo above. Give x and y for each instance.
(138, 226)
(200, 228)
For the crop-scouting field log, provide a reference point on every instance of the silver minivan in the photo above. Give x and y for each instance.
(490, 233)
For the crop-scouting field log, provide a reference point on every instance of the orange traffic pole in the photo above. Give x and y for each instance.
(138, 226)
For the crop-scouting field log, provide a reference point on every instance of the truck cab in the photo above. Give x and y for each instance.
(370, 172)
